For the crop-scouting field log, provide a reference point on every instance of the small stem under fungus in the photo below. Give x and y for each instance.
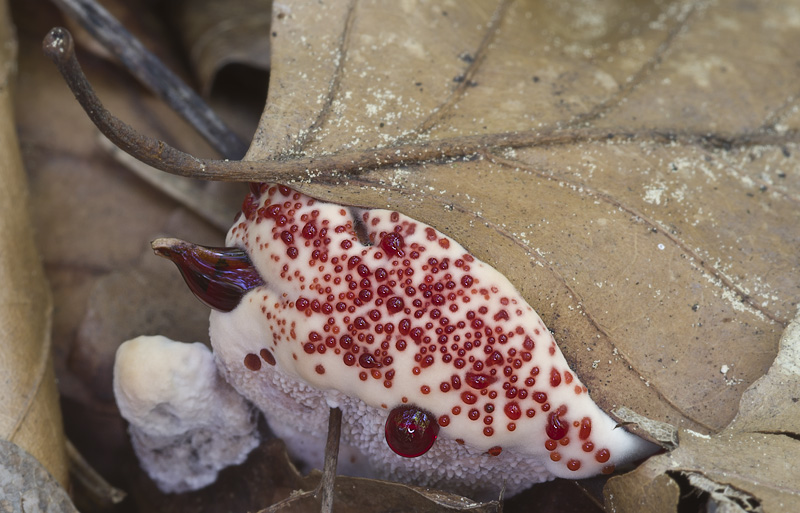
(325, 490)
(90, 480)
(151, 72)
(58, 46)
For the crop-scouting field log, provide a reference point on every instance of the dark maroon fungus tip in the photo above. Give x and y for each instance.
(219, 277)
(410, 431)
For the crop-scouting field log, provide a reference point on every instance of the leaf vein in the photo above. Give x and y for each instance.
(442, 112)
(335, 83)
(710, 269)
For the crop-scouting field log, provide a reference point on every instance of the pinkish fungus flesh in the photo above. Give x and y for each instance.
(445, 375)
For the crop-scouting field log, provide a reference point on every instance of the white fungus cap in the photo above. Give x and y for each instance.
(374, 310)
(186, 422)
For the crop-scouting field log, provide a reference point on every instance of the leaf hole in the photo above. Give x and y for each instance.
(699, 493)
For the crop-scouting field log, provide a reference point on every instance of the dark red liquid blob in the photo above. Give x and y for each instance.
(411, 431)
(394, 304)
(368, 361)
(556, 428)
(586, 428)
(392, 243)
(479, 381)
(252, 362)
(555, 378)
(219, 277)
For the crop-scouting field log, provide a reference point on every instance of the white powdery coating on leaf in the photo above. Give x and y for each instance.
(408, 318)
(186, 422)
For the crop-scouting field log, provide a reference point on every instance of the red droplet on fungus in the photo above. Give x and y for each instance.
(513, 411)
(555, 378)
(469, 397)
(586, 428)
(556, 428)
(410, 431)
(479, 381)
(252, 362)
(267, 356)
(392, 243)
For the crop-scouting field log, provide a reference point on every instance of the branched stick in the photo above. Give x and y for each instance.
(326, 485)
(151, 72)
(324, 492)
(58, 45)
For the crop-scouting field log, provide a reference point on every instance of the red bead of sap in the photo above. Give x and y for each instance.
(267, 356)
(219, 277)
(513, 411)
(395, 304)
(410, 431)
(392, 243)
(468, 397)
(556, 428)
(368, 361)
(586, 428)
(555, 378)
(252, 362)
(479, 381)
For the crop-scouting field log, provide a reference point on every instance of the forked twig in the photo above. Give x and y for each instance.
(96, 486)
(58, 45)
(325, 490)
(151, 72)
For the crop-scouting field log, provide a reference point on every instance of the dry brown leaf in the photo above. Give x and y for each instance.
(752, 464)
(614, 176)
(31, 417)
(217, 34)
(93, 224)
(663, 262)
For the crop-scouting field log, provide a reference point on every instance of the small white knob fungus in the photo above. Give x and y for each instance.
(186, 422)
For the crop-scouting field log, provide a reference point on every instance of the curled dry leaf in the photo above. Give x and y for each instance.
(93, 222)
(218, 34)
(631, 168)
(750, 465)
(28, 397)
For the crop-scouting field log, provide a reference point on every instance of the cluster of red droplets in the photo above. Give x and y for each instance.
(369, 302)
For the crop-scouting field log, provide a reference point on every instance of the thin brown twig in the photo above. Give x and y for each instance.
(325, 491)
(95, 485)
(152, 73)
(58, 45)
